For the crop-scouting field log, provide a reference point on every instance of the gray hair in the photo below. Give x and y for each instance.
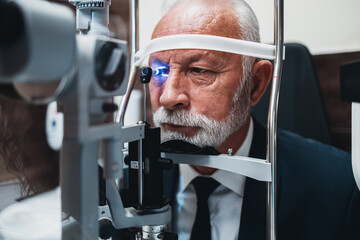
(249, 29)
(247, 20)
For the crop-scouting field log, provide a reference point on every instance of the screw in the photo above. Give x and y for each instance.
(229, 151)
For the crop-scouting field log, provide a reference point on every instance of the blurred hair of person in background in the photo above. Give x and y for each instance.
(29, 167)
(24, 151)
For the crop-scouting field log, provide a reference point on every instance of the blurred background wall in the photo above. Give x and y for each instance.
(324, 26)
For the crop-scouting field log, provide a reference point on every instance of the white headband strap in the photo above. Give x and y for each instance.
(209, 42)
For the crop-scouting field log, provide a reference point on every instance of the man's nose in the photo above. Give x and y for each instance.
(174, 95)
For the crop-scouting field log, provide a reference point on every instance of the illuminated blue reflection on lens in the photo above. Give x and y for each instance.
(160, 72)
(163, 71)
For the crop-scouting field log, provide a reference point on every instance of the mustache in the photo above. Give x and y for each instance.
(210, 132)
(182, 117)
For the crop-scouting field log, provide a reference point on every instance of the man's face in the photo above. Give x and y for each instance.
(201, 94)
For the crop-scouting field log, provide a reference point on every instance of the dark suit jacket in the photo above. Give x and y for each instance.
(317, 197)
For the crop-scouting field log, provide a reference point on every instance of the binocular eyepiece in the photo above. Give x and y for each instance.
(33, 46)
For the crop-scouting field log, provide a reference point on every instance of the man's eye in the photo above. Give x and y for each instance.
(161, 71)
(198, 70)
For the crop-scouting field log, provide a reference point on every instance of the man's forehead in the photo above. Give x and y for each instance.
(200, 17)
(188, 56)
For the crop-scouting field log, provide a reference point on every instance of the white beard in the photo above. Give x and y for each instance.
(211, 132)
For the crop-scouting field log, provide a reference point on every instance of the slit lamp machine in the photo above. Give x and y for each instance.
(91, 72)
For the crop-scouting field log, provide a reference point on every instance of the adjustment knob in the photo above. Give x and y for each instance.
(109, 107)
(145, 75)
(167, 236)
(106, 228)
(165, 163)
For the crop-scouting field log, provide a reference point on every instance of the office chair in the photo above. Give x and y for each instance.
(301, 106)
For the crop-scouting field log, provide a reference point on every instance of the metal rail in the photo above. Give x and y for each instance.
(271, 149)
(120, 114)
(134, 10)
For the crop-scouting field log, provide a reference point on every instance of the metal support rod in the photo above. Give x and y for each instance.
(140, 173)
(79, 185)
(272, 119)
(134, 11)
(120, 114)
(355, 141)
(144, 103)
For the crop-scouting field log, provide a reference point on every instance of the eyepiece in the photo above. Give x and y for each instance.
(12, 23)
(145, 75)
(12, 39)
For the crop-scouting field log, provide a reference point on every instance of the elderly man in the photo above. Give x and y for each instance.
(205, 99)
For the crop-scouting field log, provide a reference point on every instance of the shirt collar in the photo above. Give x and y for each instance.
(233, 181)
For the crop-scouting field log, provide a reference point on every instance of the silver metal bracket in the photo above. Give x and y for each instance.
(254, 168)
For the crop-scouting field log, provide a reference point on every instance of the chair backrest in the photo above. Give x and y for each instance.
(350, 81)
(301, 107)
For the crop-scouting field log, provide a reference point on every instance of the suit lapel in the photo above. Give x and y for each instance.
(253, 214)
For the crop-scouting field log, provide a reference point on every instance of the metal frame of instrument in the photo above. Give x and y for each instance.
(271, 149)
(355, 141)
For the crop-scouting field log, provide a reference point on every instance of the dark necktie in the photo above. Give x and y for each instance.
(203, 187)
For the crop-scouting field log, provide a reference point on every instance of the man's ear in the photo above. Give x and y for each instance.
(261, 76)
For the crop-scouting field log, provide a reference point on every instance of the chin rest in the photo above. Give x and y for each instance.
(179, 146)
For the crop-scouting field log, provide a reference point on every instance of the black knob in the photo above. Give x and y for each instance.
(165, 163)
(167, 236)
(109, 107)
(145, 75)
(127, 160)
(106, 228)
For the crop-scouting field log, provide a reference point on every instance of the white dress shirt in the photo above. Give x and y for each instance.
(224, 203)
